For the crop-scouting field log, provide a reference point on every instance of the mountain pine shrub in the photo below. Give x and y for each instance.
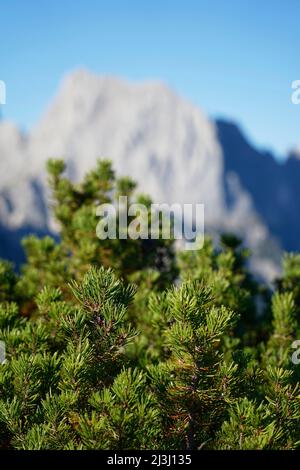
(126, 344)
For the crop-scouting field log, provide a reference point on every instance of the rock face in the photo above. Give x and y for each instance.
(167, 145)
(162, 141)
(274, 187)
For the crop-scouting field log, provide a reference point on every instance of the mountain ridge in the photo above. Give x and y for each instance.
(173, 150)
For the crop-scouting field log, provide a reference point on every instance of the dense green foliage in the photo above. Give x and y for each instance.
(125, 344)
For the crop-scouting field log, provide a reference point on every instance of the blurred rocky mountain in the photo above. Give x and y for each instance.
(168, 145)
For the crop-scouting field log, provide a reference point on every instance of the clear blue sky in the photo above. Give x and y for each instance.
(234, 58)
